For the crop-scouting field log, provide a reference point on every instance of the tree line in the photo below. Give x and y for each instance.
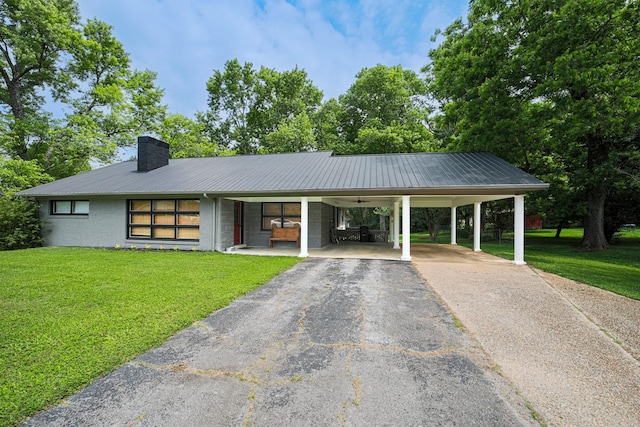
(552, 86)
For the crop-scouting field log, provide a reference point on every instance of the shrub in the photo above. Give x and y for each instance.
(20, 224)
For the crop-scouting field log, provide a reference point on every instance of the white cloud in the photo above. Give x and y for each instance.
(184, 41)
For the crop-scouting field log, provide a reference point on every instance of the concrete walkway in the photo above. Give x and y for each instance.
(544, 334)
(330, 342)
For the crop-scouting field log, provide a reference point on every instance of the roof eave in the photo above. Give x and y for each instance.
(513, 189)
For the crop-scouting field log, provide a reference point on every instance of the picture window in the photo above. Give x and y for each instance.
(164, 219)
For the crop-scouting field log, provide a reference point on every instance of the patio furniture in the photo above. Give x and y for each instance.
(353, 235)
(287, 234)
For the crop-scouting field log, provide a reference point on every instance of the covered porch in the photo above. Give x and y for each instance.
(399, 246)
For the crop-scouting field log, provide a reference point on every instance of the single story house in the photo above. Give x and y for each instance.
(217, 203)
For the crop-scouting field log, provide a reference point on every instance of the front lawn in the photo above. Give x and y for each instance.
(616, 269)
(70, 315)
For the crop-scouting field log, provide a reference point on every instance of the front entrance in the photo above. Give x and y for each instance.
(237, 222)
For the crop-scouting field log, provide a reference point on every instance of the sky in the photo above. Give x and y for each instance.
(184, 41)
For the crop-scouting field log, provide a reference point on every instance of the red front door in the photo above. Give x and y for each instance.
(237, 223)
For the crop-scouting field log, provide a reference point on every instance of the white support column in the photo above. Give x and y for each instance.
(454, 226)
(304, 227)
(477, 226)
(396, 225)
(518, 228)
(406, 228)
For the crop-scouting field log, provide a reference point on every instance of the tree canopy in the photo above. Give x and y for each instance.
(48, 57)
(384, 111)
(552, 86)
(247, 105)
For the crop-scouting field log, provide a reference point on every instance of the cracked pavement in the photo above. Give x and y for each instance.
(330, 342)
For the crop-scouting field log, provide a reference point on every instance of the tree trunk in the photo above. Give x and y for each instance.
(17, 109)
(594, 238)
(559, 228)
(434, 231)
(558, 231)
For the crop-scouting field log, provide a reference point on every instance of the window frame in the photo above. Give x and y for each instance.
(281, 216)
(162, 219)
(72, 208)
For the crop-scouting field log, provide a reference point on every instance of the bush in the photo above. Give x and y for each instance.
(20, 224)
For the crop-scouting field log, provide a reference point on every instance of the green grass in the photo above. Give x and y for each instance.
(70, 315)
(616, 269)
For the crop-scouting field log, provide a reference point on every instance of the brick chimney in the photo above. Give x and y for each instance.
(152, 153)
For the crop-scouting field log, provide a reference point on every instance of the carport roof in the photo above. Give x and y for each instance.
(300, 174)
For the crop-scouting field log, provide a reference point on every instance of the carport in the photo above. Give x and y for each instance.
(401, 205)
(399, 182)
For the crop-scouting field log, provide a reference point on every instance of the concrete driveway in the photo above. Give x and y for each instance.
(567, 347)
(331, 342)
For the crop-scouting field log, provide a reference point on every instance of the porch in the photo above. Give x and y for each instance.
(319, 226)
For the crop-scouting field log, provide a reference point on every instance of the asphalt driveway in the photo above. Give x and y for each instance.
(330, 342)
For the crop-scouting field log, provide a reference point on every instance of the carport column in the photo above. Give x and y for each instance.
(406, 228)
(454, 226)
(396, 225)
(518, 228)
(304, 227)
(477, 226)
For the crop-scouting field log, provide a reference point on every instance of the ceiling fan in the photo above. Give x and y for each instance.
(361, 201)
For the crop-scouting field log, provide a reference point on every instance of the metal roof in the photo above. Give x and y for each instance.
(314, 173)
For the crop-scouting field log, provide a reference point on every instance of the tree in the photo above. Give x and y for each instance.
(246, 105)
(435, 218)
(20, 223)
(185, 138)
(429, 219)
(18, 174)
(384, 111)
(326, 126)
(45, 51)
(531, 79)
(395, 138)
(291, 135)
(231, 97)
(282, 96)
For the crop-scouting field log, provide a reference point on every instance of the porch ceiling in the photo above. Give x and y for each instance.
(417, 201)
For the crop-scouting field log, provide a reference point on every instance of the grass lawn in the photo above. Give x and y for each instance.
(69, 315)
(616, 269)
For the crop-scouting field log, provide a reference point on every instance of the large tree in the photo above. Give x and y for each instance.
(247, 105)
(534, 80)
(384, 111)
(50, 61)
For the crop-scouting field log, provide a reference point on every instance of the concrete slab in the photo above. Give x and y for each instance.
(331, 342)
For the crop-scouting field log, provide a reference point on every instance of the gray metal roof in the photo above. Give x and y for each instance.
(315, 173)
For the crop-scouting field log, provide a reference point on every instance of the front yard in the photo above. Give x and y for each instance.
(70, 315)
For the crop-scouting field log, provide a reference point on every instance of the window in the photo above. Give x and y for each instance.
(280, 215)
(70, 207)
(164, 219)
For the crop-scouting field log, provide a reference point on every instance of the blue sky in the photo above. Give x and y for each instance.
(185, 40)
